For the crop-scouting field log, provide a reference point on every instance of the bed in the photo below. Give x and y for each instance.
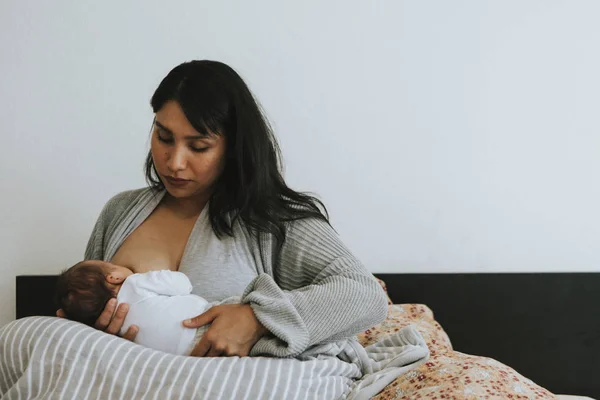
(542, 325)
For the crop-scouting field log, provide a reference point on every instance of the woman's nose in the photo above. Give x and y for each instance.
(176, 160)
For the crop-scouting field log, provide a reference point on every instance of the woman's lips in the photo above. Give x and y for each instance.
(177, 181)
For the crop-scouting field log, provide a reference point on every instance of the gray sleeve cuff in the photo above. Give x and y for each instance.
(274, 310)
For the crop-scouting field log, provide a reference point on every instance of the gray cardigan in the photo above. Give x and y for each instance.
(312, 290)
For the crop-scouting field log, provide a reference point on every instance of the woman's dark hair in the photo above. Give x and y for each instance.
(216, 100)
(82, 292)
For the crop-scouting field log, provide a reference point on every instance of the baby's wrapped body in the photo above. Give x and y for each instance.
(159, 301)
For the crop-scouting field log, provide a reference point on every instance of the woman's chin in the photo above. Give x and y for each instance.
(179, 193)
(183, 193)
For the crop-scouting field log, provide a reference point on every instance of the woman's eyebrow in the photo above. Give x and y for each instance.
(198, 136)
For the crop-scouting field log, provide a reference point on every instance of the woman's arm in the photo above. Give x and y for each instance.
(109, 321)
(319, 291)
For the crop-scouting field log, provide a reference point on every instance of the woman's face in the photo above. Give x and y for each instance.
(187, 162)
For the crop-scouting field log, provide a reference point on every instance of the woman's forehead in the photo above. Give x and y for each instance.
(172, 119)
(190, 136)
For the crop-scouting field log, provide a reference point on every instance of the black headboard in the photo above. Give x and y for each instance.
(545, 325)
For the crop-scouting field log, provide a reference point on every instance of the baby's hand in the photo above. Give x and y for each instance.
(109, 324)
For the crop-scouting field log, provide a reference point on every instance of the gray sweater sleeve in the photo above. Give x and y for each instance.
(96, 243)
(318, 292)
(109, 218)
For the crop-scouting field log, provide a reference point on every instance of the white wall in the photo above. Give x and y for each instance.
(443, 136)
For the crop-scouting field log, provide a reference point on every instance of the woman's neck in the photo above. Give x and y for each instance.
(188, 207)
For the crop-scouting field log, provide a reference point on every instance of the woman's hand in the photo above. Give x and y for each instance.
(109, 324)
(233, 331)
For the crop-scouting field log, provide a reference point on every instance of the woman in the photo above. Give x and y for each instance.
(219, 210)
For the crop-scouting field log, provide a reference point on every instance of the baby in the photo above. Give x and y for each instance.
(158, 302)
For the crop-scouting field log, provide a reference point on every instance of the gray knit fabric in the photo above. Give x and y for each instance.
(312, 290)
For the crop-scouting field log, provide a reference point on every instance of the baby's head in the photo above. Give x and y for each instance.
(83, 290)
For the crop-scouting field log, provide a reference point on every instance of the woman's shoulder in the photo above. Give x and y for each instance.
(128, 196)
(123, 200)
(309, 229)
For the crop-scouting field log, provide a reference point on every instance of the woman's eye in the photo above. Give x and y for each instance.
(169, 140)
(163, 139)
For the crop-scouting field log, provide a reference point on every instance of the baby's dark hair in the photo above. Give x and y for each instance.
(82, 292)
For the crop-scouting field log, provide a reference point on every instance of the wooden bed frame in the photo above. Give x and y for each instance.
(544, 325)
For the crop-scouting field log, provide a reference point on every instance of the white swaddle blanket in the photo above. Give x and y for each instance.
(158, 302)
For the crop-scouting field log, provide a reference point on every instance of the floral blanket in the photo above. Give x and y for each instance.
(448, 374)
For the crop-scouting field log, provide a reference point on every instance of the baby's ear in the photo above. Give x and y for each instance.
(115, 278)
